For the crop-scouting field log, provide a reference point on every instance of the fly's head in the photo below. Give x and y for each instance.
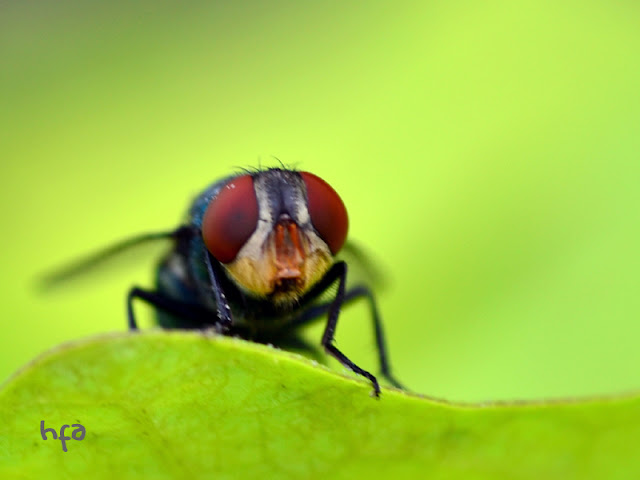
(276, 232)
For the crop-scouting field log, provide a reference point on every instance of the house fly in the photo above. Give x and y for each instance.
(254, 259)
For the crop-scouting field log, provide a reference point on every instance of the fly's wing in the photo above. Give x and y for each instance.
(107, 259)
(362, 269)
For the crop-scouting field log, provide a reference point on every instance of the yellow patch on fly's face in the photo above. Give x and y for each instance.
(259, 276)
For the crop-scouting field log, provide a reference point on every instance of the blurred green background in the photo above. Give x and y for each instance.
(487, 153)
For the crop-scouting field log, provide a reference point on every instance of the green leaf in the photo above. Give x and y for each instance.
(186, 405)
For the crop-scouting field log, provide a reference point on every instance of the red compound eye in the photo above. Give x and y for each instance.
(230, 219)
(328, 214)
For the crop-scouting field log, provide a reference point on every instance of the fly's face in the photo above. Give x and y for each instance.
(276, 232)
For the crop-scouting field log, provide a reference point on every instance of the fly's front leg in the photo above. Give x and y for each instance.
(383, 356)
(225, 320)
(352, 295)
(339, 272)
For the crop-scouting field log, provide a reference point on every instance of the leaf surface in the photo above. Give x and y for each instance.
(171, 405)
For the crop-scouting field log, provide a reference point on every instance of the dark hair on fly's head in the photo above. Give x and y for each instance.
(253, 171)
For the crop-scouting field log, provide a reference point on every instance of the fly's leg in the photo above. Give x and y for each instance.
(351, 295)
(189, 312)
(224, 310)
(192, 315)
(383, 356)
(339, 272)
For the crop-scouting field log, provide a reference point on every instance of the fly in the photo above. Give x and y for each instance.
(254, 257)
